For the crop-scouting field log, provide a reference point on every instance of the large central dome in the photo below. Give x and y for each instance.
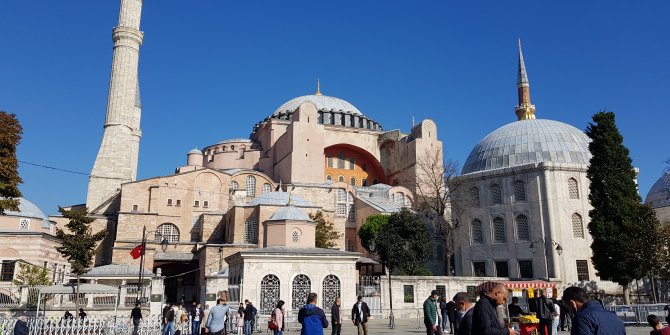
(529, 141)
(322, 102)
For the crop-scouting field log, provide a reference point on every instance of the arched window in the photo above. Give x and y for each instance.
(477, 232)
(329, 178)
(408, 201)
(267, 188)
(350, 245)
(352, 181)
(234, 185)
(364, 182)
(522, 228)
(398, 198)
(340, 160)
(166, 231)
(340, 178)
(331, 290)
(474, 197)
(269, 293)
(519, 191)
(496, 194)
(573, 188)
(302, 286)
(251, 186)
(577, 225)
(499, 233)
(251, 231)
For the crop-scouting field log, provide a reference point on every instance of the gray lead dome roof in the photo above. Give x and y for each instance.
(659, 194)
(322, 102)
(529, 141)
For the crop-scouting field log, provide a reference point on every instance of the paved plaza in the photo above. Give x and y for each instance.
(411, 326)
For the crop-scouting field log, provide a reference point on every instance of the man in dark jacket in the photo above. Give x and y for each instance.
(430, 317)
(544, 311)
(484, 316)
(336, 316)
(453, 317)
(360, 314)
(312, 318)
(136, 317)
(590, 318)
(21, 325)
(249, 318)
(464, 307)
(443, 313)
(196, 315)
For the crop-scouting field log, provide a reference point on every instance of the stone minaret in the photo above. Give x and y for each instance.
(525, 110)
(116, 162)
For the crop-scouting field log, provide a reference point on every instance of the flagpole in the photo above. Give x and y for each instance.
(141, 274)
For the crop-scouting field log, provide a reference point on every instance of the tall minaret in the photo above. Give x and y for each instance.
(116, 162)
(524, 110)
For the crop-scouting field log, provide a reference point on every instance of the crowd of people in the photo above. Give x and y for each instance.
(589, 317)
(194, 320)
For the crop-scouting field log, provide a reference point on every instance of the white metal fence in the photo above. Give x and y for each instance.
(16, 297)
(90, 326)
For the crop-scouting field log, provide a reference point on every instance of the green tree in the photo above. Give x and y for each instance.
(370, 229)
(325, 235)
(79, 246)
(625, 233)
(32, 275)
(10, 137)
(404, 243)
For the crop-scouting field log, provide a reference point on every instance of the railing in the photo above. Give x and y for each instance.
(16, 297)
(637, 314)
(90, 326)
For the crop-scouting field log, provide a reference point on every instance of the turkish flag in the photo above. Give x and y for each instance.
(137, 252)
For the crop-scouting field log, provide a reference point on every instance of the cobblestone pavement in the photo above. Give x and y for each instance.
(406, 326)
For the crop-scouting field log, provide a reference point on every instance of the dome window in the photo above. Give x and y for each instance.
(166, 231)
(477, 232)
(573, 188)
(352, 181)
(340, 179)
(519, 191)
(234, 185)
(251, 186)
(496, 194)
(329, 178)
(499, 231)
(24, 224)
(267, 188)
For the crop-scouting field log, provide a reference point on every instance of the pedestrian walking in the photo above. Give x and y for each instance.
(484, 315)
(464, 308)
(453, 317)
(168, 319)
(249, 317)
(657, 327)
(336, 316)
(430, 315)
(444, 313)
(590, 318)
(136, 318)
(545, 310)
(216, 322)
(240, 319)
(360, 314)
(563, 314)
(21, 325)
(180, 319)
(68, 316)
(197, 315)
(556, 317)
(277, 317)
(82, 314)
(312, 318)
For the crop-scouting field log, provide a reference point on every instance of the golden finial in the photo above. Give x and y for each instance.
(318, 87)
(290, 200)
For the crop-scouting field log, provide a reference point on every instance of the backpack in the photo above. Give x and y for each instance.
(183, 317)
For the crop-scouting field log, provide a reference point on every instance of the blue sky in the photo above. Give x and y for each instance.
(209, 70)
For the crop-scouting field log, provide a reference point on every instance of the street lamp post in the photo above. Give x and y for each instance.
(164, 244)
(559, 250)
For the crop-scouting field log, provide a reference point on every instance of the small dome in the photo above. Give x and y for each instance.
(28, 209)
(279, 199)
(659, 194)
(195, 151)
(322, 102)
(289, 213)
(529, 141)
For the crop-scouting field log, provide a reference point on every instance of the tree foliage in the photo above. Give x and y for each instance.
(626, 240)
(371, 228)
(32, 275)
(325, 236)
(10, 137)
(403, 243)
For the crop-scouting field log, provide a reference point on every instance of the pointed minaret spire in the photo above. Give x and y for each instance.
(525, 110)
(318, 87)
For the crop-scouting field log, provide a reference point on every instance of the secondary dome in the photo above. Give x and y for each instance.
(529, 141)
(279, 199)
(322, 102)
(28, 209)
(659, 194)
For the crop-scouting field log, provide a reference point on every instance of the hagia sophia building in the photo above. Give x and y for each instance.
(522, 213)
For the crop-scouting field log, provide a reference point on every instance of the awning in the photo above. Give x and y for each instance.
(517, 285)
(83, 289)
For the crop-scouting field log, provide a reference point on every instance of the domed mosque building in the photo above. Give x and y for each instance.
(659, 198)
(522, 201)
